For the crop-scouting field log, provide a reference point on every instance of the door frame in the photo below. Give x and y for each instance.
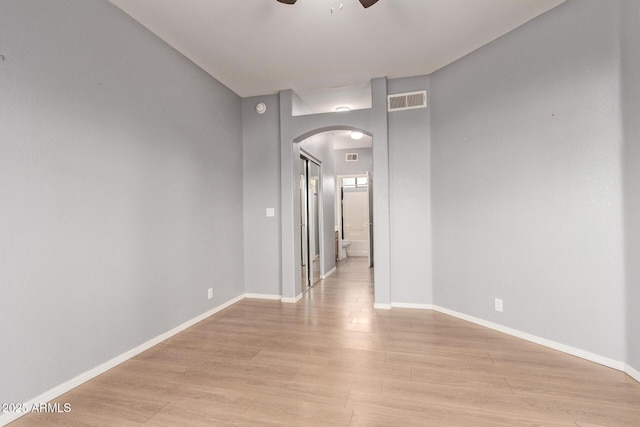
(338, 206)
(320, 213)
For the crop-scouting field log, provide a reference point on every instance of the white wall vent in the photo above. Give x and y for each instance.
(352, 157)
(407, 101)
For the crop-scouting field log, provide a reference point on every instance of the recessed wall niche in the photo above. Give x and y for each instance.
(331, 100)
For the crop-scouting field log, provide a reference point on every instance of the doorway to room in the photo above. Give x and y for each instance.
(294, 130)
(355, 216)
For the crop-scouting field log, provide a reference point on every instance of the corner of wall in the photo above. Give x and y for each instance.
(630, 104)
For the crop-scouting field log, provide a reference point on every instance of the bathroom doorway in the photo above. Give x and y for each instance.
(310, 223)
(355, 213)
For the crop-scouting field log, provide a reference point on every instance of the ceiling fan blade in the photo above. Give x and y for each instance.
(368, 3)
(287, 1)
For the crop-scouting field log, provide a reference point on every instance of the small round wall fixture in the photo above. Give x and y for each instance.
(261, 108)
(357, 135)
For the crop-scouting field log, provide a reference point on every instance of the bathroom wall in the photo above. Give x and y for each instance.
(355, 220)
(120, 186)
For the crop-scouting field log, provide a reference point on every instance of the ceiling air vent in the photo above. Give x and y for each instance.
(352, 157)
(407, 101)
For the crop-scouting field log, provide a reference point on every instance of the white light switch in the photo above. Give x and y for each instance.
(271, 212)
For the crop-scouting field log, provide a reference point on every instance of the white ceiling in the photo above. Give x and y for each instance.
(258, 47)
(341, 140)
(326, 100)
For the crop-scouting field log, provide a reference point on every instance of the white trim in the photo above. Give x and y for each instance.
(263, 296)
(338, 209)
(324, 276)
(592, 357)
(632, 372)
(406, 96)
(358, 253)
(321, 224)
(59, 390)
(611, 363)
(289, 300)
(411, 305)
(310, 156)
(320, 208)
(379, 306)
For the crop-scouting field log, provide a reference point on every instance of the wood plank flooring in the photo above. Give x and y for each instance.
(331, 359)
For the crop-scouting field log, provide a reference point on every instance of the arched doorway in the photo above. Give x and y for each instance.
(293, 130)
(317, 201)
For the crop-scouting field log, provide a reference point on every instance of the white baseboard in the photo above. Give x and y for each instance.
(633, 373)
(379, 306)
(324, 276)
(289, 300)
(263, 296)
(61, 389)
(47, 396)
(611, 363)
(411, 305)
(351, 253)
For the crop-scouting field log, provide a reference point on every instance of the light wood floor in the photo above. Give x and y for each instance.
(331, 359)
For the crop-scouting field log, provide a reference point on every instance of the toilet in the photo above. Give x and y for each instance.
(345, 245)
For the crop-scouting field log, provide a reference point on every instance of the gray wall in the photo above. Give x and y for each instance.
(362, 166)
(121, 189)
(261, 182)
(122, 186)
(631, 157)
(526, 144)
(410, 198)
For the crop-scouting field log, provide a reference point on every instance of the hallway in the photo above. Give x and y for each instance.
(331, 359)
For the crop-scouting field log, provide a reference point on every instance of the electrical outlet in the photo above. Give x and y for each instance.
(498, 304)
(210, 293)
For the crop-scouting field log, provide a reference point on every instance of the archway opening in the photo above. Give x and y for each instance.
(320, 159)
